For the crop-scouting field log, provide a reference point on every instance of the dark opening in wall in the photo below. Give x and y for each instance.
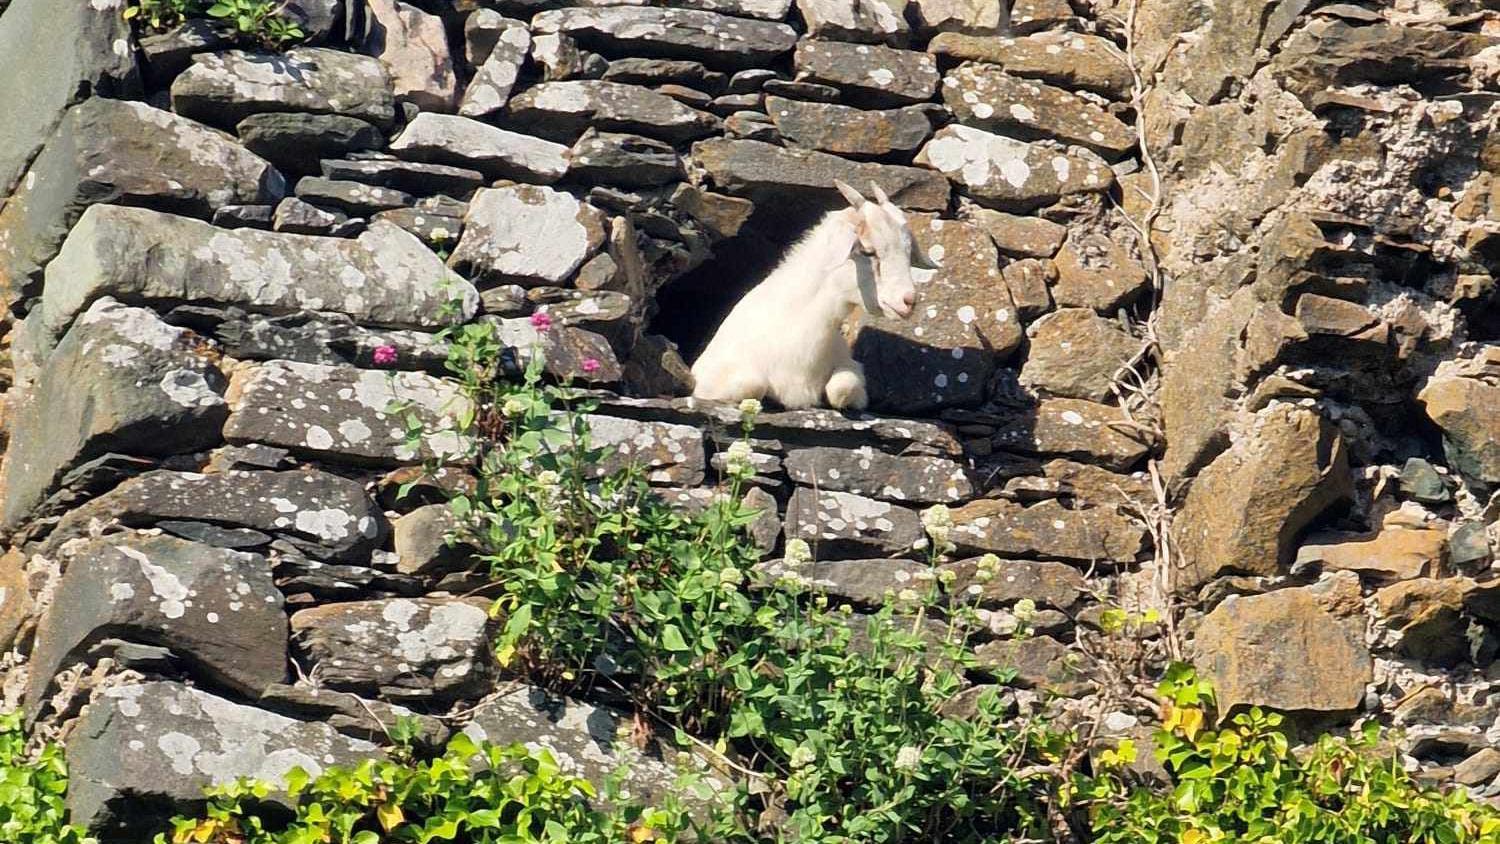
(690, 308)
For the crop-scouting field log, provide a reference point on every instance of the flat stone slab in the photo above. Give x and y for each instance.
(341, 413)
(320, 514)
(869, 74)
(986, 97)
(844, 525)
(669, 454)
(963, 326)
(217, 610)
(412, 177)
(1075, 428)
(222, 89)
(401, 648)
(497, 153)
(561, 111)
(845, 130)
(865, 471)
(116, 381)
(672, 33)
(129, 153)
(1075, 353)
(527, 235)
(777, 176)
(1008, 174)
(867, 21)
(141, 751)
(1066, 59)
(1047, 530)
(385, 277)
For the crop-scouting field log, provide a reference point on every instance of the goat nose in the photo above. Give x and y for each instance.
(909, 298)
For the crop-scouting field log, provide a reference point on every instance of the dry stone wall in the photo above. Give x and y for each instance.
(1274, 416)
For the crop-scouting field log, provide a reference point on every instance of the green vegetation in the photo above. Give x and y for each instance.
(1244, 783)
(31, 791)
(260, 21)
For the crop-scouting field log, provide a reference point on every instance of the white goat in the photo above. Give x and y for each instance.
(783, 339)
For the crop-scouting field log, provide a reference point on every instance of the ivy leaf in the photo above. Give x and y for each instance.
(389, 815)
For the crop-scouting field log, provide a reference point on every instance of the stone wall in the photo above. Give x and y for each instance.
(1277, 421)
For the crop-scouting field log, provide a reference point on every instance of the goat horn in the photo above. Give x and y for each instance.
(849, 193)
(879, 194)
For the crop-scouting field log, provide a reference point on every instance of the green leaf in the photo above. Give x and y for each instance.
(671, 638)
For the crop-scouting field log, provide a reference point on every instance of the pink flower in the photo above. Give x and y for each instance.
(590, 366)
(385, 355)
(541, 320)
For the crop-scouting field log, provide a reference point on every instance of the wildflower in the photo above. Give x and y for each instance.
(989, 562)
(513, 407)
(750, 408)
(590, 366)
(541, 320)
(385, 356)
(938, 521)
(803, 756)
(908, 759)
(731, 576)
(737, 459)
(1025, 609)
(797, 552)
(947, 576)
(924, 576)
(907, 596)
(975, 590)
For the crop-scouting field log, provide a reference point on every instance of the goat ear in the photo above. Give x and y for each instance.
(850, 194)
(879, 194)
(849, 238)
(921, 260)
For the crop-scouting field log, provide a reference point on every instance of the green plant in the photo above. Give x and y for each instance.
(477, 793)
(841, 724)
(32, 789)
(262, 21)
(1244, 783)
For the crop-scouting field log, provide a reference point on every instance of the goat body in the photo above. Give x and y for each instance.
(783, 339)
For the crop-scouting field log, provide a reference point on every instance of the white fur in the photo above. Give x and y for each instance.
(783, 339)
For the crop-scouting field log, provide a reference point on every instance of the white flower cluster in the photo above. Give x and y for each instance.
(937, 520)
(909, 759)
(737, 460)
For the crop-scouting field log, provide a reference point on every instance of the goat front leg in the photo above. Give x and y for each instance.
(846, 386)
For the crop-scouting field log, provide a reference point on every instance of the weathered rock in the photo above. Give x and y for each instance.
(671, 33)
(434, 229)
(383, 277)
(355, 198)
(558, 56)
(864, 471)
(490, 88)
(166, 54)
(1420, 481)
(963, 326)
(808, 92)
(1074, 428)
(561, 111)
(849, 131)
(85, 49)
(15, 597)
(1049, 584)
(624, 160)
(218, 610)
(405, 649)
(413, 47)
(125, 152)
(143, 750)
(719, 214)
(971, 17)
(867, 21)
(222, 89)
(1039, 662)
(843, 525)
(666, 72)
(986, 97)
(1075, 353)
(1029, 281)
(296, 142)
(564, 348)
(1020, 237)
(352, 715)
(868, 74)
(1067, 59)
(528, 235)
(1009, 174)
(343, 413)
(1242, 646)
(1099, 272)
(865, 582)
(118, 379)
(668, 453)
(498, 153)
(778, 177)
(1478, 769)
(1395, 553)
(1088, 535)
(1332, 53)
(587, 741)
(320, 514)
(417, 179)
(421, 540)
(1468, 412)
(1246, 509)
(1429, 614)
(297, 216)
